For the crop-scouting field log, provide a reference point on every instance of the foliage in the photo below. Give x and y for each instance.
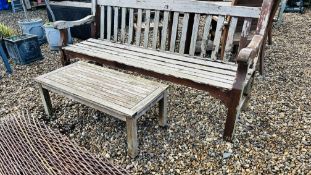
(5, 31)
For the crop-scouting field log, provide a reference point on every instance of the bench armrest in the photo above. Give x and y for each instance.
(68, 24)
(245, 59)
(246, 55)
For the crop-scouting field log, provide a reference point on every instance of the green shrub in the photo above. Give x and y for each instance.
(5, 31)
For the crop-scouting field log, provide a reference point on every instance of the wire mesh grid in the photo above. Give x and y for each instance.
(28, 146)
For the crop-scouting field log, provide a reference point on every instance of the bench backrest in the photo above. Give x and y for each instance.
(164, 24)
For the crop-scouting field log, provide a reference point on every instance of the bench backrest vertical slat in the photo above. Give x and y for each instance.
(138, 26)
(229, 42)
(180, 26)
(174, 31)
(131, 25)
(245, 32)
(109, 23)
(164, 30)
(123, 20)
(216, 44)
(116, 24)
(194, 34)
(102, 21)
(207, 27)
(147, 28)
(155, 29)
(184, 33)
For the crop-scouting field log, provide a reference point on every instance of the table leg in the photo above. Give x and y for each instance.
(132, 144)
(163, 109)
(45, 96)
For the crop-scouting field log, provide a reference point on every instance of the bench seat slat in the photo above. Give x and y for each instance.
(196, 60)
(188, 71)
(152, 66)
(209, 71)
(182, 74)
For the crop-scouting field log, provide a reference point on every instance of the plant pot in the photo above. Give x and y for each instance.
(23, 49)
(2, 44)
(53, 36)
(34, 27)
(4, 56)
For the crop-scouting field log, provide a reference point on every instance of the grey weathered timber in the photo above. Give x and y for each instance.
(120, 95)
(69, 24)
(180, 51)
(45, 96)
(185, 6)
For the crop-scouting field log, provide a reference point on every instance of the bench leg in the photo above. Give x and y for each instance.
(247, 93)
(232, 115)
(45, 96)
(132, 144)
(163, 110)
(261, 60)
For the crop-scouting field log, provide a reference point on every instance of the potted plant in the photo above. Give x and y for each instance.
(23, 49)
(32, 26)
(52, 34)
(5, 32)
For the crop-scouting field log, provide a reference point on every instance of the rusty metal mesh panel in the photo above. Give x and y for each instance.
(27, 146)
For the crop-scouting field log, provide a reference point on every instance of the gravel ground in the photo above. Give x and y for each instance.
(272, 136)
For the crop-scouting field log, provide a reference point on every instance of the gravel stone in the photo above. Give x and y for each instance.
(272, 136)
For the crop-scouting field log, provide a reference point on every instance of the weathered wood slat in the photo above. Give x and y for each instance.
(123, 20)
(192, 69)
(109, 22)
(217, 39)
(98, 103)
(155, 29)
(120, 88)
(194, 34)
(183, 62)
(174, 31)
(229, 42)
(245, 32)
(140, 84)
(116, 23)
(147, 27)
(84, 87)
(184, 33)
(186, 6)
(204, 43)
(131, 26)
(138, 28)
(185, 58)
(102, 22)
(164, 31)
(154, 67)
(93, 81)
(138, 89)
(148, 102)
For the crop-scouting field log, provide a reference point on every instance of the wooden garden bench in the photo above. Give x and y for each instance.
(228, 78)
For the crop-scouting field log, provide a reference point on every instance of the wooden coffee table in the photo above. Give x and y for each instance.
(123, 96)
